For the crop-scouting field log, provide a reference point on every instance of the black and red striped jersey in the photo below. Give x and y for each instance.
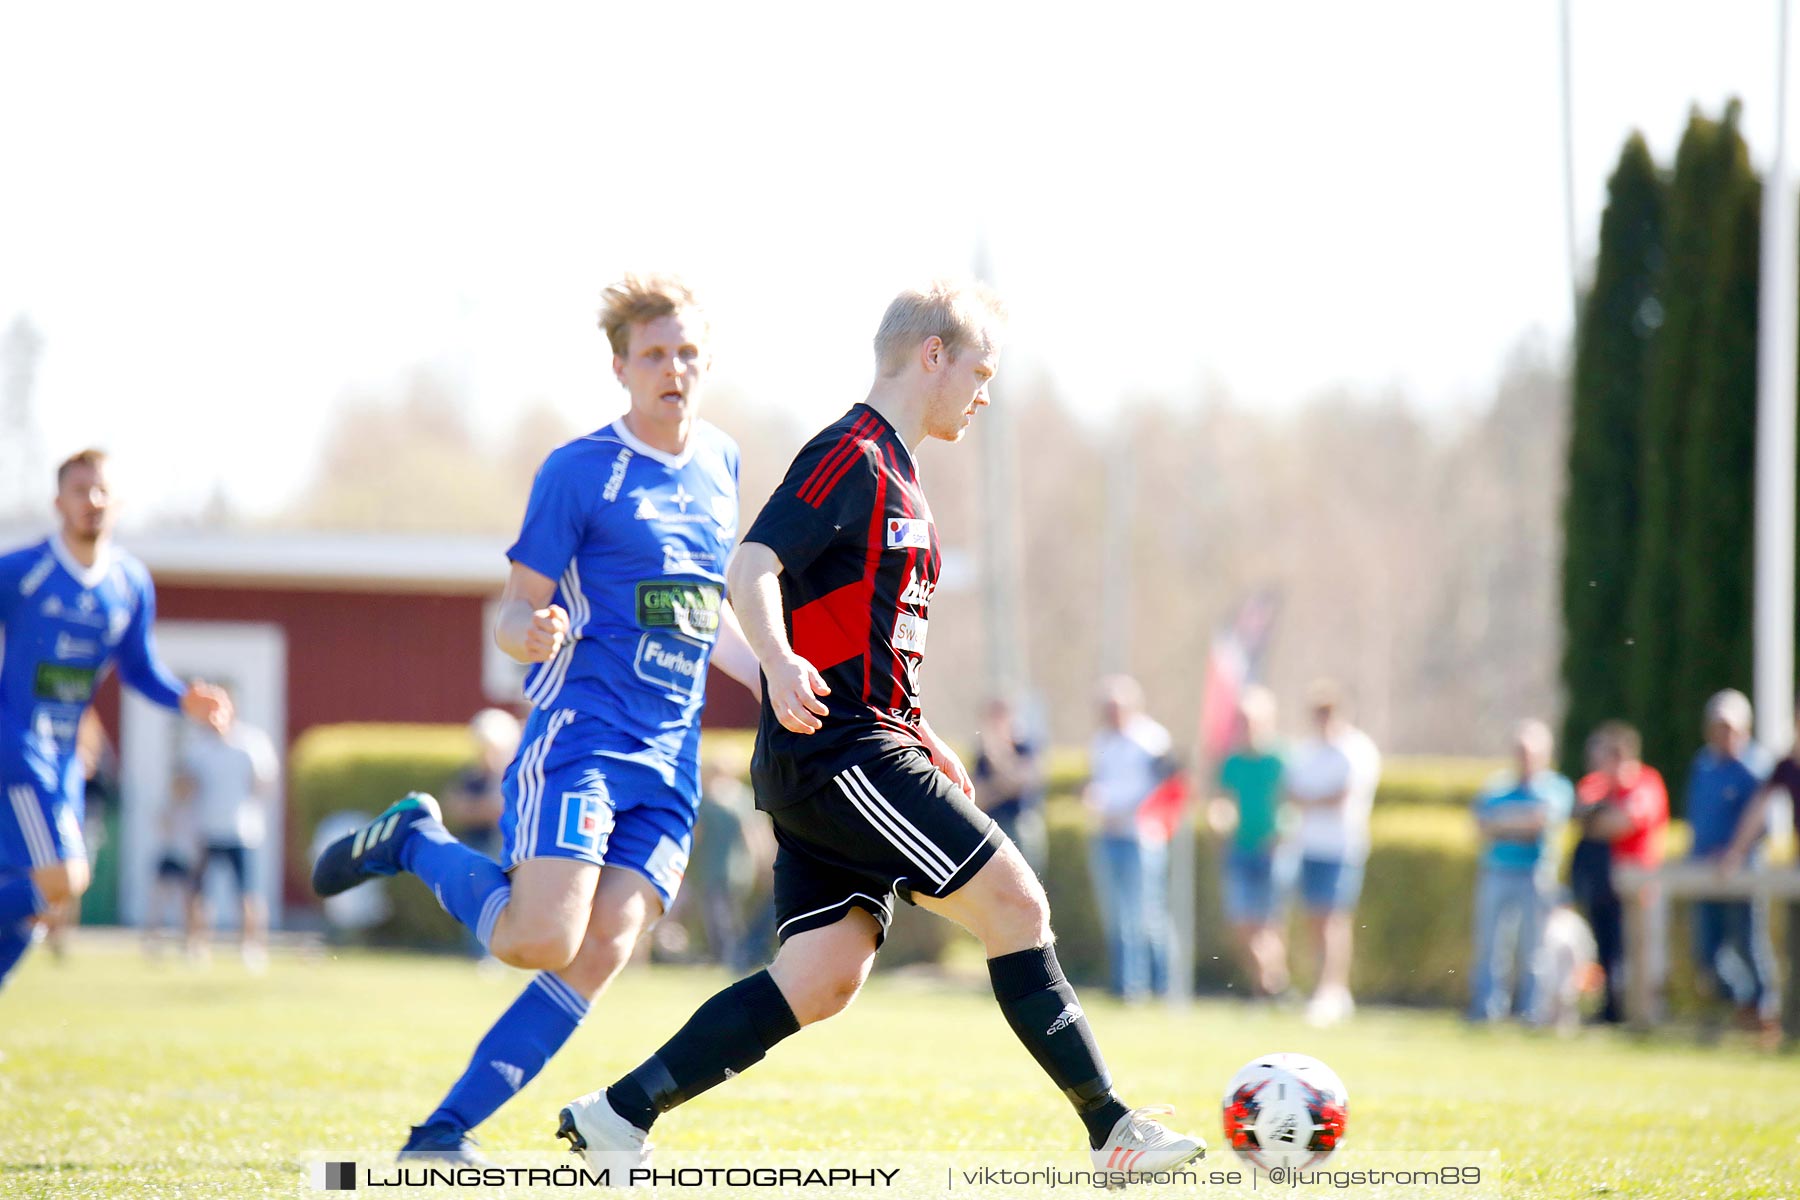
(859, 559)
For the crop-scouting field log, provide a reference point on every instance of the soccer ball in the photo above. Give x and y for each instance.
(1285, 1110)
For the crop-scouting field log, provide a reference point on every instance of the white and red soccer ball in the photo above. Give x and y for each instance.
(1285, 1110)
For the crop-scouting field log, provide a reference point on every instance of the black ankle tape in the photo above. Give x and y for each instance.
(657, 1084)
(1091, 1096)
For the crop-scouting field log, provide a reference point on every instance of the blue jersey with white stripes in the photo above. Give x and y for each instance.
(61, 626)
(637, 541)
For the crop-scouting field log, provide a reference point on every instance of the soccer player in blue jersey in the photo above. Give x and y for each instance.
(617, 596)
(70, 606)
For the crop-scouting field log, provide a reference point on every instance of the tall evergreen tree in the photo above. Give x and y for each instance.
(1600, 511)
(1718, 528)
(1704, 187)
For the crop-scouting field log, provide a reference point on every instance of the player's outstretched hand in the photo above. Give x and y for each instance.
(205, 704)
(548, 630)
(795, 686)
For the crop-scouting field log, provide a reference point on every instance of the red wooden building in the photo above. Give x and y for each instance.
(315, 629)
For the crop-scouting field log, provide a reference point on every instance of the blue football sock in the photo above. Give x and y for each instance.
(470, 885)
(19, 898)
(15, 940)
(513, 1052)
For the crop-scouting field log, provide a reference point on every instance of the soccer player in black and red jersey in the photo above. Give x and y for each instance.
(833, 586)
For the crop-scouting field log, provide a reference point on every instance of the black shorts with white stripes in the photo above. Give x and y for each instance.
(890, 826)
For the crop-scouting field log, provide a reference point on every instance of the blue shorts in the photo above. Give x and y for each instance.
(39, 826)
(1328, 886)
(569, 796)
(1253, 886)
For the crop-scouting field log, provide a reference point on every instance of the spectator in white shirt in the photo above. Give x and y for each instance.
(1331, 780)
(228, 774)
(1130, 861)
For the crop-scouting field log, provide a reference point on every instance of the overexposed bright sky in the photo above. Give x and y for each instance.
(225, 218)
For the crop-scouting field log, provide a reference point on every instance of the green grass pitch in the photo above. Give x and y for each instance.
(124, 1078)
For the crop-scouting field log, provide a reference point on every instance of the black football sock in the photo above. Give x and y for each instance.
(726, 1036)
(1041, 1008)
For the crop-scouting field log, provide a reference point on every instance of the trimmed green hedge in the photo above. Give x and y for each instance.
(1406, 780)
(1413, 924)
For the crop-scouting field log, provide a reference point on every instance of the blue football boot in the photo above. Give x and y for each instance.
(375, 848)
(441, 1142)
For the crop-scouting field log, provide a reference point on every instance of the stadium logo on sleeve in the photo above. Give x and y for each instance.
(616, 480)
(909, 533)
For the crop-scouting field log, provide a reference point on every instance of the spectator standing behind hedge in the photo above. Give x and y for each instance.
(1248, 811)
(1622, 807)
(1331, 779)
(722, 870)
(1517, 816)
(1009, 783)
(1130, 861)
(473, 803)
(1731, 937)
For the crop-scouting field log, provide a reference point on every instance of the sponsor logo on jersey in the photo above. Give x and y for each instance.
(908, 533)
(690, 608)
(54, 607)
(671, 662)
(909, 633)
(585, 823)
(673, 507)
(60, 683)
(725, 511)
(919, 591)
(116, 623)
(679, 559)
(616, 480)
(74, 647)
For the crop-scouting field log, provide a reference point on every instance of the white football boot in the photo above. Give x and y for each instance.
(1139, 1145)
(608, 1140)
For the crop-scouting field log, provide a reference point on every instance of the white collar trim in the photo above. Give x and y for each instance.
(649, 451)
(87, 577)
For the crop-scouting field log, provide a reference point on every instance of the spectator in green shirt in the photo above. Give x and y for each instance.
(1246, 816)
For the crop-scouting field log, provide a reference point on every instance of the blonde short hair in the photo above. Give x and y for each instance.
(639, 298)
(81, 458)
(960, 313)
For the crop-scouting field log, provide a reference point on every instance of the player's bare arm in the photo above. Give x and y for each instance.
(946, 760)
(530, 629)
(733, 654)
(1750, 827)
(794, 684)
